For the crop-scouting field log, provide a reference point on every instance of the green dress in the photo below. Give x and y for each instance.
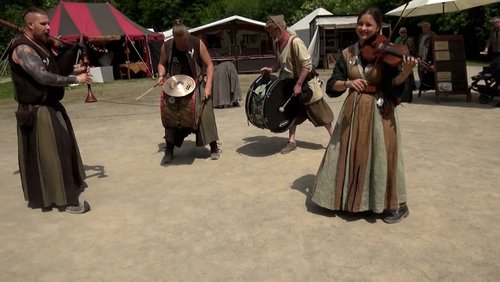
(362, 169)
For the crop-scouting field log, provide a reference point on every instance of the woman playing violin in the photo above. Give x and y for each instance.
(362, 169)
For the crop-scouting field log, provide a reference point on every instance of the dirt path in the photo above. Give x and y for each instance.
(247, 217)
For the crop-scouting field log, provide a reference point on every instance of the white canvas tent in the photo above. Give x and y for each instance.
(302, 27)
(316, 49)
(168, 33)
(240, 40)
(337, 22)
(331, 32)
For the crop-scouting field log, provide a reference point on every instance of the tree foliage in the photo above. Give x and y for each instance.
(13, 13)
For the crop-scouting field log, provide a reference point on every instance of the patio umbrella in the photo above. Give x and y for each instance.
(417, 8)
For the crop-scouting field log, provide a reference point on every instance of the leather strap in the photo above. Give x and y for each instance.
(372, 90)
(294, 58)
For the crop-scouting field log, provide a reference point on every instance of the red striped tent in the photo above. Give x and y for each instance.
(100, 22)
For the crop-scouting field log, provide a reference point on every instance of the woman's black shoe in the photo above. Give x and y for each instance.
(397, 215)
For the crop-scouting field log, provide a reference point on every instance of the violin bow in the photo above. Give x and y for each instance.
(421, 63)
(399, 20)
(391, 34)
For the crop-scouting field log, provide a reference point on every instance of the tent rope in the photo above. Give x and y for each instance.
(3, 60)
(139, 54)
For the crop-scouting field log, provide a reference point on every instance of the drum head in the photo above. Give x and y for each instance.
(254, 101)
(279, 117)
(265, 103)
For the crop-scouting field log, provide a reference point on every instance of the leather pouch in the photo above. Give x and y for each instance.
(24, 116)
(306, 94)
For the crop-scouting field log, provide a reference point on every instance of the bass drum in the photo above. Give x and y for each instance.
(265, 103)
(178, 112)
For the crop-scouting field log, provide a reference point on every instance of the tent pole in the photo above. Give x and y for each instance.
(140, 57)
(4, 66)
(325, 59)
(148, 50)
(6, 49)
(127, 51)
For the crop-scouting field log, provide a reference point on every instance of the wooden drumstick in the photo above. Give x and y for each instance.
(204, 102)
(282, 108)
(147, 91)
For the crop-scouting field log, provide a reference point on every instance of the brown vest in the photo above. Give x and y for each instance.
(26, 89)
(194, 67)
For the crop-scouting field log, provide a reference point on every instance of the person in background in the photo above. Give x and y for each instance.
(405, 39)
(51, 169)
(492, 49)
(424, 52)
(493, 44)
(409, 85)
(362, 169)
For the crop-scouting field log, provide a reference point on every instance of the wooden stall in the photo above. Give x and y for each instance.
(450, 66)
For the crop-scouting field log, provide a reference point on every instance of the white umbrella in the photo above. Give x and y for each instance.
(417, 8)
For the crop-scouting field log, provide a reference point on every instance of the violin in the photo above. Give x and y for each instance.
(381, 49)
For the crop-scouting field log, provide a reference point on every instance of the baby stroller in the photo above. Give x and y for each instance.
(490, 76)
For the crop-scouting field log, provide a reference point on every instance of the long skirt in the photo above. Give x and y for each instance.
(50, 165)
(362, 168)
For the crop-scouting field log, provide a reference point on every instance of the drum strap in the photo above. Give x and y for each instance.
(169, 69)
(294, 58)
(201, 75)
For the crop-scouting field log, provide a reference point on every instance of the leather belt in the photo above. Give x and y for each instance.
(371, 89)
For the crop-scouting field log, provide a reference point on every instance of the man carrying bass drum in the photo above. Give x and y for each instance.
(294, 61)
(187, 55)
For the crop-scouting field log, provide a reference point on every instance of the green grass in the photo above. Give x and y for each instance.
(141, 85)
(6, 90)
